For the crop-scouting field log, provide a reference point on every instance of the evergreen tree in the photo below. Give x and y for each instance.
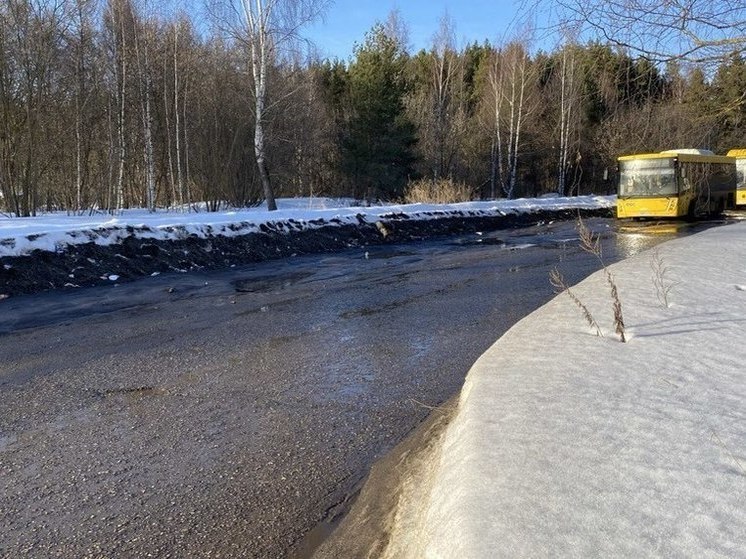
(377, 145)
(729, 95)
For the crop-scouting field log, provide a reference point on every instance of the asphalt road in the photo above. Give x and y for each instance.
(228, 414)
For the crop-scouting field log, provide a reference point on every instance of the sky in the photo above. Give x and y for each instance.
(347, 21)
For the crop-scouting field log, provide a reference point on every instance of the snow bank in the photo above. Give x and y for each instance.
(19, 236)
(568, 444)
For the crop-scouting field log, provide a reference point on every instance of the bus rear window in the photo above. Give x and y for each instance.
(647, 177)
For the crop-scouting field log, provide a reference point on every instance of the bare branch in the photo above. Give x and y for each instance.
(696, 31)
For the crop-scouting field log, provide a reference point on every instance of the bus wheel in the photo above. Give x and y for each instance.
(691, 211)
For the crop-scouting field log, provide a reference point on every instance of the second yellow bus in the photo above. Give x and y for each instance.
(740, 157)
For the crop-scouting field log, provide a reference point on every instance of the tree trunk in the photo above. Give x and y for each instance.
(567, 86)
(257, 19)
(166, 111)
(147, 123)
(179, 178)
(121, 120)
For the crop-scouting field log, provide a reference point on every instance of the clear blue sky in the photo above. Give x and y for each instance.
(347, 21)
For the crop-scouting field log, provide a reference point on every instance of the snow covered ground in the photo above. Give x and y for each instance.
(52, 232)
(565, 444)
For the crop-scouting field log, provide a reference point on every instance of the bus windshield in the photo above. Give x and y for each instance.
(647, 177)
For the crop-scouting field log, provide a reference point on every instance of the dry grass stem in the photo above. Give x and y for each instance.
(661, 280)
(559, 284)
(733, 457)
(441, 408)
(592, 244)
(617, 307)
(437, 191)
(588, 241)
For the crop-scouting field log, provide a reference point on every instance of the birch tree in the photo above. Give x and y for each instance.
(567, 83)
(117, 14)
(509, 81)
(142, 39)
(268, 28)
(178, 121)
(81, 41)
(443, 102)
(177, 51)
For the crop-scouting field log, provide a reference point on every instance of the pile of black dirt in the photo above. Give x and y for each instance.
(91, 264)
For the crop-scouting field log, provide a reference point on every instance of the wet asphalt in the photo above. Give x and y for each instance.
(232, 413)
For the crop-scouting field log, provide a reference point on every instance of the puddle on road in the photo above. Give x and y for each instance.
(484, 241)
(264, 284)
(368, 311)
(315, 537)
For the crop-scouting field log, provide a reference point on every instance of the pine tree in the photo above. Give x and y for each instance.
(729, 93)
(377, 145)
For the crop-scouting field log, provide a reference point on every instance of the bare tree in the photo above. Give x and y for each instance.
(396, 27)
(305, 137)
(437, 105)
(142, 39)
(509, 80)
(698, 31)
(267, 27)
(178, 47)
(449, 114)
(30, 36)
(118, 13)
(81, 40)
(180, 123)
(567, 107)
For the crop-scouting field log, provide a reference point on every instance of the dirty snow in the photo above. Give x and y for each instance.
(566, 444)
(52, 232)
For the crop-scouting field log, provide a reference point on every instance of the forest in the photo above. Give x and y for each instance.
(106, 105)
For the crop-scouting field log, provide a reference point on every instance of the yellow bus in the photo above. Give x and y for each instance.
(740, 155)
(675, 183)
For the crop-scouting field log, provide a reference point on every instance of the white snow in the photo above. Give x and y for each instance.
(52, 232)
(565, 444)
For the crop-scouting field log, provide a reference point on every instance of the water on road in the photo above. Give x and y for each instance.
(226, 414)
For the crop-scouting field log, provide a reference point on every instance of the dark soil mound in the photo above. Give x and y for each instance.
(92, 264)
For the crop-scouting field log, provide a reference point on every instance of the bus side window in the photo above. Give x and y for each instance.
(685, 183)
